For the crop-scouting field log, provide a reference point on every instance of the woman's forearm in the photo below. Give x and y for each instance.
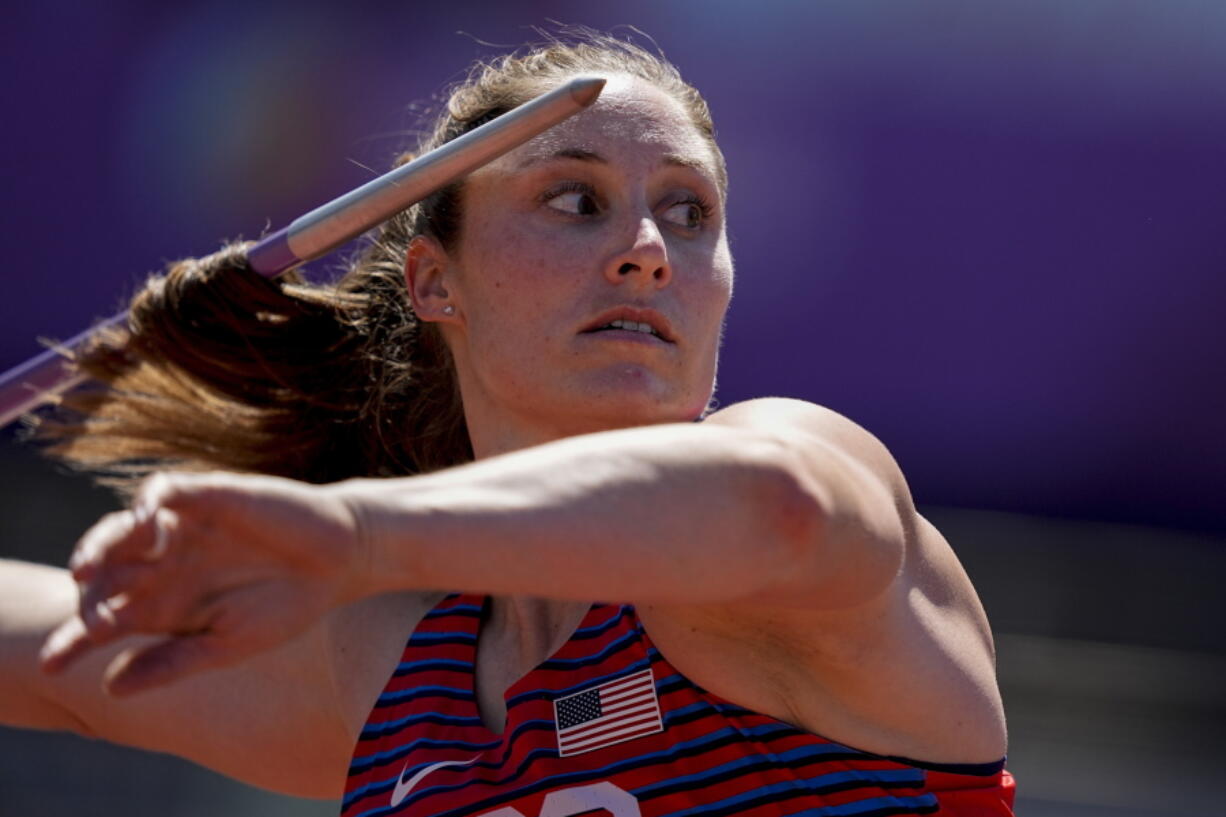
(33, 600)
(677, 513)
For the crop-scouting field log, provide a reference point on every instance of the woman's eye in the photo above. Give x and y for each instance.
(688, 214)
(575, 202)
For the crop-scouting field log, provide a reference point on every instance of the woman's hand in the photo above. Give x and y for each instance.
(226, 565)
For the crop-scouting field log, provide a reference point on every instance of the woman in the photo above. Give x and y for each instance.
(786, 633)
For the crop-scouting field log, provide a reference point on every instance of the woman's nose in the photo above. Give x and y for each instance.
(644, 261)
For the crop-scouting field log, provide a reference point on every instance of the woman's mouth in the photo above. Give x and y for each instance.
(628, 322)
(629, 326)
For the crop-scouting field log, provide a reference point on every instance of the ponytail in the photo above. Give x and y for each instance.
(223, 368)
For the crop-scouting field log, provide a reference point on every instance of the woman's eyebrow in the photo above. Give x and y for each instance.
(566, 153)
(687, 161)
(584, 155)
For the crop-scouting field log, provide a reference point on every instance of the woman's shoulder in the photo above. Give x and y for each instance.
(364, 641)
(792, 416)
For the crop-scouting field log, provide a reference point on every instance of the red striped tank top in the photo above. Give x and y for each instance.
(607, 726)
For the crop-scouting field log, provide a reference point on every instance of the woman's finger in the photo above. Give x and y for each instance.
(94, 625)
(133, 580)
(106, 611)
(145, 668)
(113, 618)
(66, 644)
(126, 536)
(144, 532)
(110, 528)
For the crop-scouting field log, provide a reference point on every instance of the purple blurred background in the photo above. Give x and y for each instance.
(994, 234)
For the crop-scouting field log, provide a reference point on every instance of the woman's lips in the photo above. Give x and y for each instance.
(626, 336)
(639, 315)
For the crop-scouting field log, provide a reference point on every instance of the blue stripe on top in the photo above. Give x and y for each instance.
(419, 639)
(453, 610)
(618, 613)
(395, 725)
(427, 664)
(425, 691)
(612, 648)
(362, 763)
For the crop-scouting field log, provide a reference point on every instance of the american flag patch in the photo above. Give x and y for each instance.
(616, 711)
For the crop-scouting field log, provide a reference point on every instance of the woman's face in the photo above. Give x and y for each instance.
(615, 215)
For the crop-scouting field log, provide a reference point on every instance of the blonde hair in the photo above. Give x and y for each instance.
(221, 368)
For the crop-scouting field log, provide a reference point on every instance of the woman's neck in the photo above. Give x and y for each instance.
(492, 436)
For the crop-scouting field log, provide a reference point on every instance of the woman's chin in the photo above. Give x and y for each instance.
(634, 399)
(620, 396)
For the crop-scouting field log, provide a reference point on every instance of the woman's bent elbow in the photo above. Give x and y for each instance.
(834, 553)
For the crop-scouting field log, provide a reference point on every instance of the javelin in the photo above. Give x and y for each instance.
(41, 378)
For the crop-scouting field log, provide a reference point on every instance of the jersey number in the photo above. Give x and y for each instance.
(579, 800)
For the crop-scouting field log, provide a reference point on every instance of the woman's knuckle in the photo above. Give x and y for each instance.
(152, 486)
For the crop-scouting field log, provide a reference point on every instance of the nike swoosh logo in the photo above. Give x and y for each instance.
(403, 787)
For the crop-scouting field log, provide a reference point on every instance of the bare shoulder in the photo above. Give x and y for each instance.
(793, 419)
(905, 667)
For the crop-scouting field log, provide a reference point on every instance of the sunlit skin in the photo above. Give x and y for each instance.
(618, 206)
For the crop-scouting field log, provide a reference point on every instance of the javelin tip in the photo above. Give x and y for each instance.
(584, 90)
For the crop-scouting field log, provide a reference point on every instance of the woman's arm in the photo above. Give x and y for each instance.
(748, 507)
(752, 506)
(274, 723)
(33, 599)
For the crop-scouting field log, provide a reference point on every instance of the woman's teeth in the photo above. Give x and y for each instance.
(632, 326)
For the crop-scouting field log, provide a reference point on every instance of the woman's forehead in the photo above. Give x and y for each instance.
(631, 116)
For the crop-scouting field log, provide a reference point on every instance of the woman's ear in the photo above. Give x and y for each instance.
(427, 275)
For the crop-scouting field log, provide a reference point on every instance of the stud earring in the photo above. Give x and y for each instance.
(449, 310)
